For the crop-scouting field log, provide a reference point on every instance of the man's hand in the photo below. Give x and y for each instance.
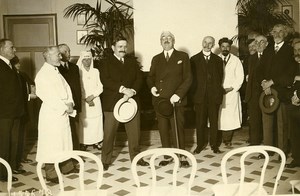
(227, 90)
(266, 84)
(128, 92)
(174, 99)
(91, 103)
(295, 100)
(125, 97)
(154, 91)
(268, 91)
(89, 98)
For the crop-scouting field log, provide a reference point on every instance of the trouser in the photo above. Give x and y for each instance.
(9, 136)
(75, 138)
(168, 136)
(110, 129)
(255, 122)
(65, 167)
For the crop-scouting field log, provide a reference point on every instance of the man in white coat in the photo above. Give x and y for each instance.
(230, 116)
(54, 134)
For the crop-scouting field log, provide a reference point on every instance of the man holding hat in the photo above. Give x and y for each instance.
(169, 80)
(230, 117)
(122, 79)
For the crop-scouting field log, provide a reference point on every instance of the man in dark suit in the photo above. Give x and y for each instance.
(207, 94)
(278, 72)
(11, 108)
(293, 111)
(170, 78)
(70, 72)
(121, 78)
(254, 90)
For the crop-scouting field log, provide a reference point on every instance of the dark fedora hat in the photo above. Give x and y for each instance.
(164, 107)
(269, 103)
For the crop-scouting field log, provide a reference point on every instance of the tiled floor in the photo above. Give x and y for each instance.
(118, 179)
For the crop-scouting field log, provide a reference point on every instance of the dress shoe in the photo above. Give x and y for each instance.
(262, 156)
(27, 161)
(141, 162)
(292, 164)
(184, 164)
(53, 180)
(98, 146)
(83, 147)
(18, 171)
(165, 162)
(105, 166)
(4, 179)
(217, 151)
(198, 149)
(228, 144)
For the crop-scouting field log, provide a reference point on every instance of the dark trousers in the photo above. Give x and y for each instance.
(22, 141)
(167, 130)
(207, 113)
(9, 136)
(110, 129)
(75, 138)
(293, 113)
(278, 119)
(65, 167)
(255, 122)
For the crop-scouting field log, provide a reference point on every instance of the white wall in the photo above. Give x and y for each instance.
(188, 20)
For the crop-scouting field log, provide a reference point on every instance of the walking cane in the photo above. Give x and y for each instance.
(175, 125)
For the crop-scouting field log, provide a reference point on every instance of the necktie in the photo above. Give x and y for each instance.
(224, 60)
(167, 57)
(276, 49)
(121, 60)
(206, 58)
(66, 65)
(259, 55)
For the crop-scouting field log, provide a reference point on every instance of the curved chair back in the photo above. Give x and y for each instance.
(9, 174)
(172, 152)
(246, 151)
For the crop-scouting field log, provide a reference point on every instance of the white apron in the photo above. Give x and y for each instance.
(230, 113)
(54, 133)
(90, 129)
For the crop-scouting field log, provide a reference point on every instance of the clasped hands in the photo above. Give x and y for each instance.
(174, 98)
(70, 108)
(90, 101)
(266, 86)
(295, 100)
(128, 93)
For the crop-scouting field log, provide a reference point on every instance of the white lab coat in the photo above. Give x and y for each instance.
(54, 133)
(230, 113)
(90, 129)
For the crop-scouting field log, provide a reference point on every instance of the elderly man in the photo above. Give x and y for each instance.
(278, 72)
(207, 92)
(11, 108)
(254, 90)
(54, 127)
(230, 116)
(169, 79)
(293, 112)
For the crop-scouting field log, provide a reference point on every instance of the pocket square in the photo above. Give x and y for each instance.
(180, 61)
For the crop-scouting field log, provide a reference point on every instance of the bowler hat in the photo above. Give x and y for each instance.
(164, 107)
(269, 103)
(124, 111)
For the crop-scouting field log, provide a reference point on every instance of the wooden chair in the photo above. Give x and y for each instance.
(81, 192)
(9, 176)
(242, 188)
(172, 190)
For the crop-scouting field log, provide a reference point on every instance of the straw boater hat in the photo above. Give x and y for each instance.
(125, 111)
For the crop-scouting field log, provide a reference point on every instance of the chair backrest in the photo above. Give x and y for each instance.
(246, 151)
(155, 153)
(75, 155)
(9, 174)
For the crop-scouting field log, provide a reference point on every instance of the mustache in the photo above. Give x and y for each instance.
(166, 42)
(122, 52)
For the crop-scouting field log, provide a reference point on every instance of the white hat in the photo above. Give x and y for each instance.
(124, 111)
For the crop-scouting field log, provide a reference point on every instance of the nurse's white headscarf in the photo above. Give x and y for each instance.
(85, 55)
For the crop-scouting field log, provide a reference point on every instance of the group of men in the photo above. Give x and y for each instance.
(212, 80)
(274, 71)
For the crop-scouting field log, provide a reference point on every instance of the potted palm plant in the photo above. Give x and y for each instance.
(102, 26)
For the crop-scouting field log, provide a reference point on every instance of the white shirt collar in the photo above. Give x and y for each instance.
(206, 53)
(279, 45)
(5, 60)
(169, 52)
(119, 58)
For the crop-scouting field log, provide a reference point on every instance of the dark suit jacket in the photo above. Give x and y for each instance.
(172, 77)
(11, 96)
(253, 89)
(200, 68)
(279, 67)
(114, 74)
(72, 77)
